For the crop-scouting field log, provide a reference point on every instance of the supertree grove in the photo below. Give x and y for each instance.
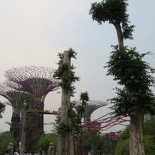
(37, 81)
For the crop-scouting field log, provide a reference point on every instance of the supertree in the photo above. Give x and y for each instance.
(106, 121)
(91, 107)
(15, 99)
(37, 81)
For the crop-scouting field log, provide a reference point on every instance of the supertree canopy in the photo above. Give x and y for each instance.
(91, 107)
(104, 122)
(37, 81)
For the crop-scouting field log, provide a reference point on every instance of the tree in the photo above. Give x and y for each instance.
(37, 81)
(94, 142)
(130, 70)
(2, 108)
(45, 141)
(76, 113)
(149, 128)
(114, 12)
(65, 73)
(5, 139)
(149, 142)
(136, 98)
(122, 147)
(20, 101)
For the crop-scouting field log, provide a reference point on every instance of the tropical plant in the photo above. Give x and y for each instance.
(75, 113)
(136, 98)
(149, 126)
(94, 142)
(122, 147)
(66, 74)
(45, 141)
(129, 69)
(149, 139)
(2, 108)
(5, 139)
(115, 13)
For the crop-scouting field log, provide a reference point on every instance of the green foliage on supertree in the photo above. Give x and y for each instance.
(21, 99)
(114, 12)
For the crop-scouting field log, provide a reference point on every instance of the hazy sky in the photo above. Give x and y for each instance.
(33, 32)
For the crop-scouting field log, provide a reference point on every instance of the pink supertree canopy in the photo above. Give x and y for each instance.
(15, 98)
(105, 122)
(91, 106)
(35, 80)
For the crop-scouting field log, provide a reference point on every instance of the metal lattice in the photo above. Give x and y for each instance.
(35, 80)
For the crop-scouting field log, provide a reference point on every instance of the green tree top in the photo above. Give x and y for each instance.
(114, 12)
(2, 108)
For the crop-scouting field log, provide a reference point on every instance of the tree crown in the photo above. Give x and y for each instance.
(114, 12)
(131, 71)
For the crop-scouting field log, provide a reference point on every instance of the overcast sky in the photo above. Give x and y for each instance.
(33, 32)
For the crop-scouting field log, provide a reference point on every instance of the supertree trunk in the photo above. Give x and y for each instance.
(13, 99)
(23, 134)
(15, 127)
(35, 122)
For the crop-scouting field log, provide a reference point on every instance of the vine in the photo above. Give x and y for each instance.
(65, 73)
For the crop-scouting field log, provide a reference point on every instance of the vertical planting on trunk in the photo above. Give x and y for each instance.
(65, 73)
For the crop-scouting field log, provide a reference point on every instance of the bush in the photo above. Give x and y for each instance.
(5, 139)
(46, 139)
(122, 147)
(149, 145)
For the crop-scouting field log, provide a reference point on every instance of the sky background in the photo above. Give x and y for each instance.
(33, 32)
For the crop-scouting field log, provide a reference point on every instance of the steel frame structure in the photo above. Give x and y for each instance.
(14, 99)
(102, 123)
(37, 81)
